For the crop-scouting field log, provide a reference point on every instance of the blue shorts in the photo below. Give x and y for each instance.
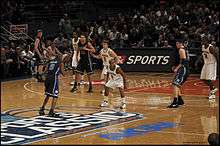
(181, 76)
(51, 87)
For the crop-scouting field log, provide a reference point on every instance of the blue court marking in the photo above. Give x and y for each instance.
(140, 130)
(8, 118)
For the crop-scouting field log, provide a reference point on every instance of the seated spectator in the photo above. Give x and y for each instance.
(59, 41)
(6, 62)
(123, 39)
(27, 56)
(166, 45)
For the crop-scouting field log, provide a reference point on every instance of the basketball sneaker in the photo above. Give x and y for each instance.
(74, 89)
(52, 114)
(104, 104)
(174, 104)
(82, 82)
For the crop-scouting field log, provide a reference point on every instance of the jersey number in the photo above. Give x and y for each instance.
(51, 67)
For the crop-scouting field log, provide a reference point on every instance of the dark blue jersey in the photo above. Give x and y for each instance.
(84, 54)
(53, 68)
(182, 61)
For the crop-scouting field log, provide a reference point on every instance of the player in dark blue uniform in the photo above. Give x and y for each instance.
(84, 63)
(53, 69)
(181, 73)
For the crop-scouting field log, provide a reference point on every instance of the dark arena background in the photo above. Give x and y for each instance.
(144, 34)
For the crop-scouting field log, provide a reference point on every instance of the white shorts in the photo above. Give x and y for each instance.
(209, 72)
(104, 72)
(118, 83)
(74, 60)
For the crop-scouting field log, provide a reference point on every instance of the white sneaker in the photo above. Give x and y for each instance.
(104, 104)
(123, 106)
(212, 97)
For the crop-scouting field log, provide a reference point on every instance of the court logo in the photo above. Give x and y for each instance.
(140, 130)
(122, 59)
(41, 127)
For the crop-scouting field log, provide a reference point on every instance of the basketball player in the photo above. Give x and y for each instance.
(115, 79)
(54, 67)
(106, 54)
(209, 70)
(84, 63)
(75, 58)
(39, 47)
(181, 73)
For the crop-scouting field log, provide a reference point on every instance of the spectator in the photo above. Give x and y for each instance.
(59, 41)
(123, 39)
(66, 26)
(166, 44)
(6, 61)
(27, 56)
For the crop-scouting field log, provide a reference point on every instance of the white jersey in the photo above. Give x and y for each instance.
(208, 57)
(75, 46)
(115, 80)
(106, 56)
(112, 73)
(75, 43)
(209, 69)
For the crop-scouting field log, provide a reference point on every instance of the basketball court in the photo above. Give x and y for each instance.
(146, 120)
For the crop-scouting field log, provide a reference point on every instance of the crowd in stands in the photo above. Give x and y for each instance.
(153, 26)
(17, 59)
(147, 26)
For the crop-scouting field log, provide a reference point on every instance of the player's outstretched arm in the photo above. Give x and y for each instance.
(90, 48)
(96, 56)
(114, 55)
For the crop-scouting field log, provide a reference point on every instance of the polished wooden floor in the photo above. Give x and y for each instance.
(148, 94)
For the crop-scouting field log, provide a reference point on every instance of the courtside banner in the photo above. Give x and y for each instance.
(146, 59)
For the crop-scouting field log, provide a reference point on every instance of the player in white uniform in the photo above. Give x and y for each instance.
(209, 70)
(106, 54)
(75, 42)
(115, 79)
(75, 57)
